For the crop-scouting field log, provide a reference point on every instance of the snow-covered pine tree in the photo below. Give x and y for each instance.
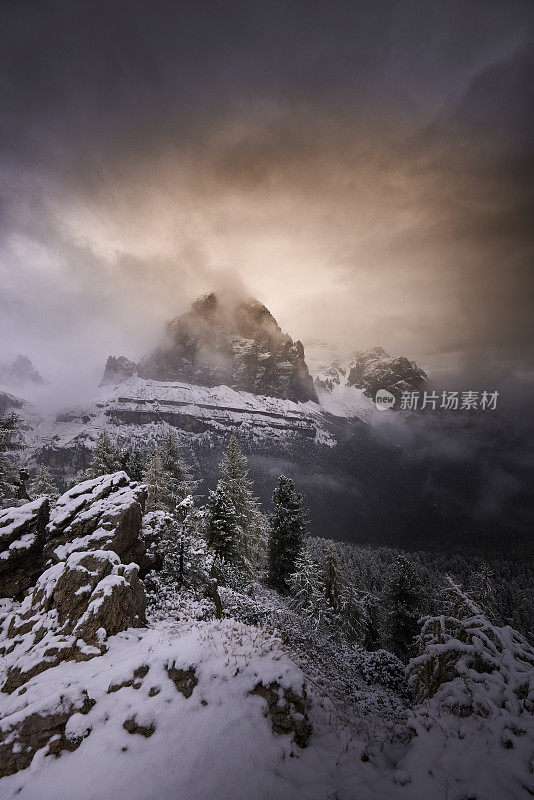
(307, 587)
(10, 441)
(134, 463)
(252, 524)
(182, 545)
(287, 532)
(106, 457)
(402, 605)
(221, 525)
(161, 495)
(332, 577)
(43, 485)
(182, 483)
(482, 589)
(373, 619)
(469, 665)
(353, 614)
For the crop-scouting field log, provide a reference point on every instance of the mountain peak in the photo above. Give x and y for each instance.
(227, 339)
(21, 371)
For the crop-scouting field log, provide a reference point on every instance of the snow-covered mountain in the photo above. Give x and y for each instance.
(347, 385)
(223, 340)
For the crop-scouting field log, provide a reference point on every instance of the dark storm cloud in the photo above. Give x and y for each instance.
(379, 152)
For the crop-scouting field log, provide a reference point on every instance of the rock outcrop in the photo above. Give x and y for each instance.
(72, 610)
(117, 369)
(233, 342)
(91, 589)
(83, 598)
(100, 514)
(22, 540)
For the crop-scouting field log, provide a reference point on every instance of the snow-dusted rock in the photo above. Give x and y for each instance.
(104, 513)
(87, 594)
(118, 369)
(22, 538)
(73, 608)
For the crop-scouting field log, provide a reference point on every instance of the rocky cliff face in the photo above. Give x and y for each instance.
(371, 370)
(118, 369)
(100, 514)
(223, 341)
(20, 372)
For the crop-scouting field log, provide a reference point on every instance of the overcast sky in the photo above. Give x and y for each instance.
(364, 168)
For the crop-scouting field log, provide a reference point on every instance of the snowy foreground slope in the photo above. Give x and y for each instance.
(145, 738)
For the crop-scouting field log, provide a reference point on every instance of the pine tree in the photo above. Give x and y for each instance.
(159, 482)
(373, 618)
(221, 525)
(43, 485)
(106, 458)
(134, 464)
(287, 532)
(250, 521)
(10, 441)
(182, 545)
(353, 614)
(180, 475)
(307, 587)
(333, 580)
(402, 602)
(482, 589)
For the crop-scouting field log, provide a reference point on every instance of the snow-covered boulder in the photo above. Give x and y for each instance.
(22, 538)
(100, 514)
(90, 591)
(74, 607)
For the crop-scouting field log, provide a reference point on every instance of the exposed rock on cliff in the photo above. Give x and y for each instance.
(22, 538)
(100, 514)
(118, 369)
(233, 342)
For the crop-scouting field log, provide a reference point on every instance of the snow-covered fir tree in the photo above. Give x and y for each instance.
(10, 442)
(161, 496)
(332, 577)
(251, 523)
(287, 533)
(222, 534)
(43, 484)
(470, 665)
(180, 474)
(482, 589)
(134, 463)
(180, 541)
(307, 587)
(353, 614)
(402, 606)
(106, 458)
